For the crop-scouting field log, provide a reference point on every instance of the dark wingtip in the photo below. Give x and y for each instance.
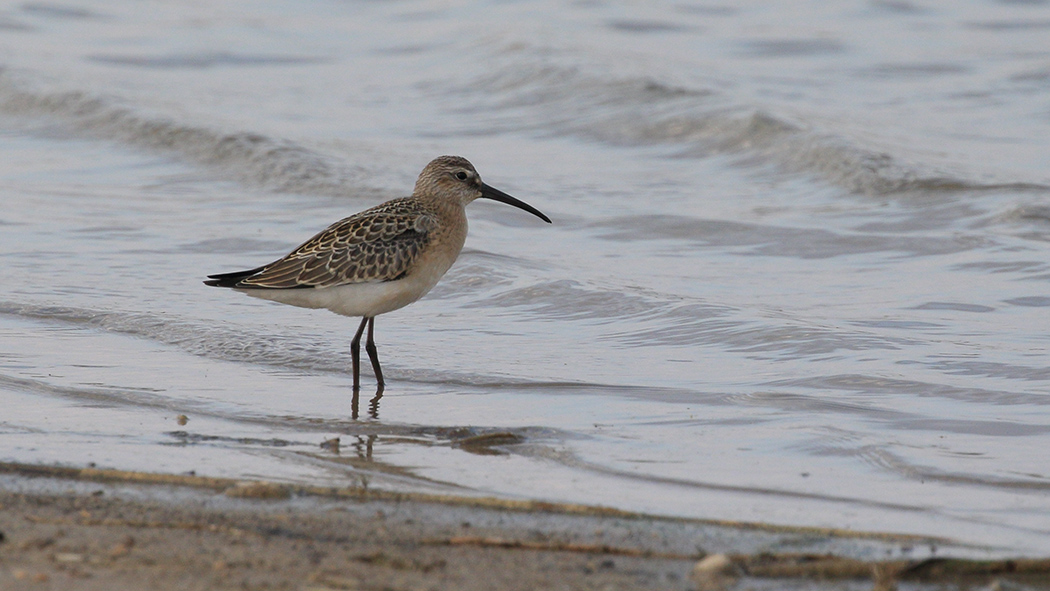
(230, 282)
(230, 279)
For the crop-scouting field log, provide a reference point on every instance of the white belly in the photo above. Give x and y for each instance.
(363, 299)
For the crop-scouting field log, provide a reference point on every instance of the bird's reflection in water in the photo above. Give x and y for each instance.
(363, 446)
(373, 404)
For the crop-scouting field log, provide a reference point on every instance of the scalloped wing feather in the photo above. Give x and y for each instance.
(378, 244)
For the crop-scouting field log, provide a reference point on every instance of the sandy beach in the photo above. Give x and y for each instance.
(88, 529)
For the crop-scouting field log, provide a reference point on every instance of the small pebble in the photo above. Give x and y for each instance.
(331, 445)
(123, 548)
(714, 572)
(69, 557)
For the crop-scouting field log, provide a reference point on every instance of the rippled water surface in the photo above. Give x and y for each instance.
(798, 271)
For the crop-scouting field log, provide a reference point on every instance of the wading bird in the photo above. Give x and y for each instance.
(381, 259)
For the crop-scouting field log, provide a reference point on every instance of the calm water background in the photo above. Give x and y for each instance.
(798, 272)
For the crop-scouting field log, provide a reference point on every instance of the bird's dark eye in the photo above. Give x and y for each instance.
(461, 175)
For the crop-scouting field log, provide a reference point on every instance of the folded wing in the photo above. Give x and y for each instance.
(379, 244)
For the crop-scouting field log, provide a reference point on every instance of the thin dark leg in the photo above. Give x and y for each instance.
(355, 354)
(373, 354)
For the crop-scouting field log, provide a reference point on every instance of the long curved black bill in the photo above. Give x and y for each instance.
(496, 195)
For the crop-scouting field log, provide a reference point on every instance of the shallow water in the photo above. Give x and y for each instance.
(798, 271)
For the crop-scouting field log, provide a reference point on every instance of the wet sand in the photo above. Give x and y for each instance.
(68, 528)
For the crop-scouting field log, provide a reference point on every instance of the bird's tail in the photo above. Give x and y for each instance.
(231, 279)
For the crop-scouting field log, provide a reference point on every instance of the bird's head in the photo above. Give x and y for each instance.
(454, 177)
